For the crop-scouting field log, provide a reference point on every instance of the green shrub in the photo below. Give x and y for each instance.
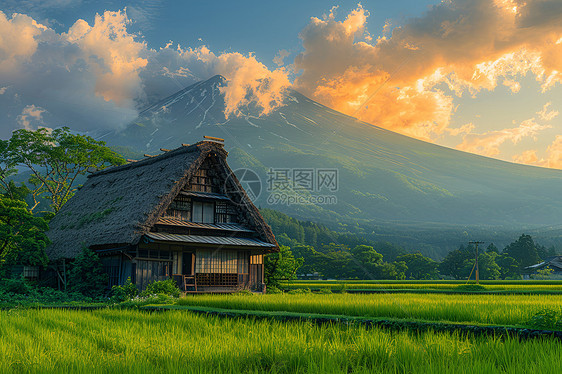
(16, 293)
(272, 290)
(325, 290)
(18, 286)
(299, 291)
(166, 287)
(87, 276)
(137, 302)
(124, 292)
(546, 318)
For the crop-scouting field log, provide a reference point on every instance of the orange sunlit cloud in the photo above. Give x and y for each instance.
(103, 68)
(407, 79)
(553, 156)
(399, 81)
(488, 143)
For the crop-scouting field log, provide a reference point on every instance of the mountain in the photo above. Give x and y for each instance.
(393, 185)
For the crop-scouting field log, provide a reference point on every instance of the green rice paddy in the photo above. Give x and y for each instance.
(112, 340)
(441, 285)
(129, 341)
(481, 309)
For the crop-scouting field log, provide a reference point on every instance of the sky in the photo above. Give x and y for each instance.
(482, 76)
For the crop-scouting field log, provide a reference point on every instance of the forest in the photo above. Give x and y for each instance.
(331, 255)
(58, 159)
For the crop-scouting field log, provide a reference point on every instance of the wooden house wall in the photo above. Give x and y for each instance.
(149, 271)
(231, 270)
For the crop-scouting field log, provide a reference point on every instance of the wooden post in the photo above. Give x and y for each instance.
(477, 275)
(477, 270)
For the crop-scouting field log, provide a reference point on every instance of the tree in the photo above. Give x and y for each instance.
(56, 159)
(492, 248)
(509, 268)
(400, 268)
(544, 252)
(7, 169)
(338, 264)
(22, 236)
(312, 259)
(524, 251)
(454, 263)
(387, 270)
(487, 267)
(366, 255)
(86, 275)
(388, 250)
(280, 266)
(419, 266)
(543, 273)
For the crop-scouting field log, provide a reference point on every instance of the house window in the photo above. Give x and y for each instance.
(256, 260)
(225, 212)
(203, 212)
(113, 275)
(202, 181)
(218, 262)
(243, 262)
(31, 272)
(180, 208)
(156, 254)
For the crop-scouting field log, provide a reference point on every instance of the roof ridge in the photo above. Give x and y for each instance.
(163, 156)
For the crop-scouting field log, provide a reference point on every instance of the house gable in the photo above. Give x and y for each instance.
(204, 205)
(117, 206)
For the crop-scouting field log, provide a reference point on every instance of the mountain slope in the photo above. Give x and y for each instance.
(384, 177)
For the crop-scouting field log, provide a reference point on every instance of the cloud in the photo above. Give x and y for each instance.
(488, 143)
(112, 54)
(248, 80)
(464, 129)
(527, 157)
(547, 115)
(86, 78)
(407, 81)
(553, 157)
(18, 42)
(514, 86)
(144, 13)
(554, 152)
(31, 113)
(97, 76)
(281, 55)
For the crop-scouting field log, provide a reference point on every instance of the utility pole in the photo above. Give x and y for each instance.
(477, 273)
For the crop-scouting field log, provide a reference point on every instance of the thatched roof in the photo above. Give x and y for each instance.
(554, 262)
(118, 205)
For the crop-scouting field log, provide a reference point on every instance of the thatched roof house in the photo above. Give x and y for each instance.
(553, 262)
(181, 214)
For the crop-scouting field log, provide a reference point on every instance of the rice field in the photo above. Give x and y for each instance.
(503, 285)
(481, 309)
(129, 341)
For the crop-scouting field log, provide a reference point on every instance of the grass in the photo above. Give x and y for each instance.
(481, 309)
(503, 285)
(131, 341)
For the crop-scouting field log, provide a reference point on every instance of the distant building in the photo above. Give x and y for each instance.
(181, 215)
(554, 262)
